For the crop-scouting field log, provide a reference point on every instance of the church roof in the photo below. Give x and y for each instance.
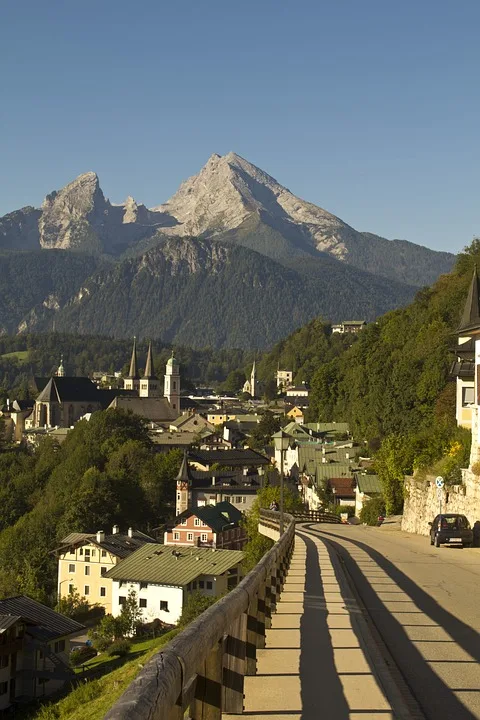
(133, 372)
(184, 474)
(149, 369)
(154, 408)
(172, 362)
(471, 313)
(67, 389)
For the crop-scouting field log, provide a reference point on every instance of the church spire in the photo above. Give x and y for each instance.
(471, 312)
(149, 369)
(133, 374)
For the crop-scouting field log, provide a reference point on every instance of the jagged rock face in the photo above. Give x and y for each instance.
(78, 217)
(231, 200)
(228, 189)
(19, 229)
(72, 217)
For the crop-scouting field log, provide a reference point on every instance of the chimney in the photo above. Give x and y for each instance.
(115, 530)
(324, 459)
(323, 450)
(347, 456)
(213, 480)
(130, 532)
(100, 536)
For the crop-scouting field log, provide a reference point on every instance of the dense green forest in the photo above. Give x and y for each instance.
(25, 356)
(392, 383)
(191, 292)
(103, 474)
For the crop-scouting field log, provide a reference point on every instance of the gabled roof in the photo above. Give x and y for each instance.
(51, 624)
(173, 565)
(238, 458)
(117, 544)
(343, 486)
(471, 312)
(215, 517)
(155, 408)
(369, 484)
(67, 389)
(6, 621)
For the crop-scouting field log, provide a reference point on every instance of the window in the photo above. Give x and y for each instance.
(164, 605)
(103, 570)
(87, 553)
(103, 592)
(142, 603)
(468, 395)
(71, 567)
(194, 585)
(86, 590)
(70, 589)
(104, 553)
(178, 496)
(87, 569)
(184, 521)
(94, 552)
(201, 584)
(238, 500)
(122, 600)
(189, 536)
(72, 552)
(80, 552)
(176, 536)
(3, 688)
(59, 646)
(209, 585)
(204, 537)
(204, 524)
(197, 522)
(4, 661)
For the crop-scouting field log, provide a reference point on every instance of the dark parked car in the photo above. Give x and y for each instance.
(451, 529)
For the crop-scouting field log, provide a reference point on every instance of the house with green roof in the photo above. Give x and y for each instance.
(366, 488)
(162, 576)
(213, 526)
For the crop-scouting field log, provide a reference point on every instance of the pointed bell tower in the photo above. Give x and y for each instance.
(149, 384)
(253, 381)
(132, 381)
(172, 383)
(184, 483)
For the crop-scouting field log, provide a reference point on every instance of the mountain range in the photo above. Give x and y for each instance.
(232, 259)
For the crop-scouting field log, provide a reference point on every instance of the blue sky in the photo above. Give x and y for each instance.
(369, 109)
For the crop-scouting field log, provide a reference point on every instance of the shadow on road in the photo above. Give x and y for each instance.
(436, 698)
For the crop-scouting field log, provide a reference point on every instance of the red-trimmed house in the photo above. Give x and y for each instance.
(215, 526)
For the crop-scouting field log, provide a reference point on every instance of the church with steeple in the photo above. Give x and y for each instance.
(63, 400)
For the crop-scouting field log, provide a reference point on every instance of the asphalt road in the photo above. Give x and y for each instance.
(425, 603)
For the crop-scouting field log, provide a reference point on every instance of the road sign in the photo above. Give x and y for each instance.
(439, 482)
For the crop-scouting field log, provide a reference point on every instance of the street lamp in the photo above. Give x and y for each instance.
(281, 440)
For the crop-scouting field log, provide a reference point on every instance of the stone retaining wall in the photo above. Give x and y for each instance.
(422, 502)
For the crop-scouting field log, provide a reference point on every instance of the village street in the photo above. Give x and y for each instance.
(424, 602)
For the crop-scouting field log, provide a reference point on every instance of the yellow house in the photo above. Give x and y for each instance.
(296, 414)
(218, 418)
(84, 559)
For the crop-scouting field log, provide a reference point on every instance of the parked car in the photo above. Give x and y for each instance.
(451, 529)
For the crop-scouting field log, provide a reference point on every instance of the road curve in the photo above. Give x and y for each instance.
(425, 604)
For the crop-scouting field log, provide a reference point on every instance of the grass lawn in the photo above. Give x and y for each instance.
(91, 699)
(21, 355)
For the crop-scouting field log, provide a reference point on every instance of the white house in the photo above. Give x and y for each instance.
(163, 576)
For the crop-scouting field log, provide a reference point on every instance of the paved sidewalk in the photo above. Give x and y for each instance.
(314, 666)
